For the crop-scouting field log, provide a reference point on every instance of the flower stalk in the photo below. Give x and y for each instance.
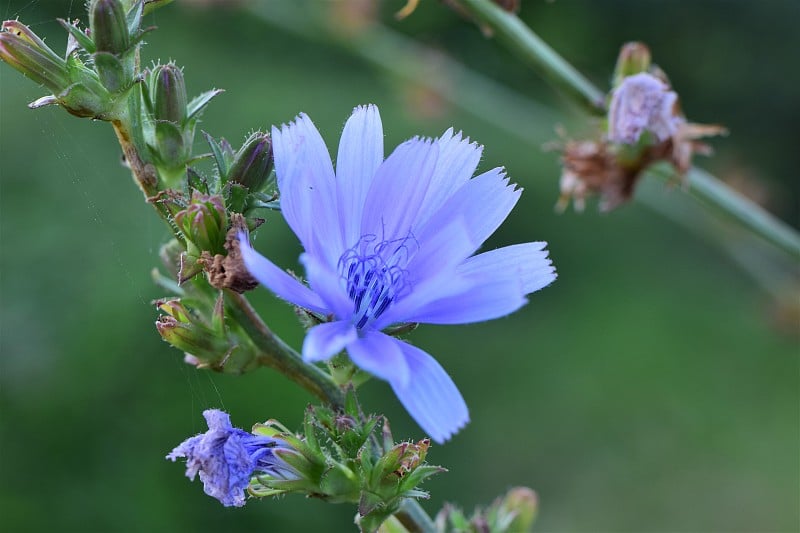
(537, 53)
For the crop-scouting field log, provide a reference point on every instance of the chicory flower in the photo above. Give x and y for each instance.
(392, 241)
(227, 457)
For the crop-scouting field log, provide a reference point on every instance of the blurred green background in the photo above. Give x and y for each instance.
(653, 387)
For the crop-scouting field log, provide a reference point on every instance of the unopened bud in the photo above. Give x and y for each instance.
(109, 26)
(253, 162)
(634, 57)
(169, 93)
(520, 506)
(204, 222)
(27, 53)
(193, 339)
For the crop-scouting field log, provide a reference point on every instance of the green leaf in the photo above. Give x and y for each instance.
(420, 474)
(236, 197)
(197, 181)
(110, 70)
(216, 151)
(152, 5)
(84, 40)
(134, 17)
(198, 104)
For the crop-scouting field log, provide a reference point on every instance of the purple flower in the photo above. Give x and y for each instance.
(392, 241)
(227, 457)
(642, 103)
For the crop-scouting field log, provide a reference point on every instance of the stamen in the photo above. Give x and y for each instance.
(374, 275)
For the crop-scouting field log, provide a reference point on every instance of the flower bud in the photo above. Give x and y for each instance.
(26, 52)
(109, 26)
(204, 222)
(253, 162)
(634, 57)
(193, 339)
(185, 331)
(169, 93)
(518, 509)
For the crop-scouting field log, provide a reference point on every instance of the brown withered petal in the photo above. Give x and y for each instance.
(228, 271)
(685, 143)
(591, 168)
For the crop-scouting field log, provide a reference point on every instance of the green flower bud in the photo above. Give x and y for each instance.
(168, 93)
(205, 347)
(253, 162)
(109, 26)
(518, 509)
(193, 339)
(204, 222)
(634, 57)
(26, 52)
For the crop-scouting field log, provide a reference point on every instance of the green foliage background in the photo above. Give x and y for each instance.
(648, 389)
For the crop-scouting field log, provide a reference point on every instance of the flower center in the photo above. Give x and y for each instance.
(375, 276)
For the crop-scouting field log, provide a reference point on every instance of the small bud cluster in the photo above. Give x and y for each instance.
(94, 78)
(341, 458)
(644, 125)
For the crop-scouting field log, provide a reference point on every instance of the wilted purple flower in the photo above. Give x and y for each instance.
(392, 241)
(227, 457)
(642, 103)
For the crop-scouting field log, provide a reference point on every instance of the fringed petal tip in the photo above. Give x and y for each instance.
(458, 138)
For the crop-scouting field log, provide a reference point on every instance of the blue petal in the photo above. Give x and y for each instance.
(326, 340)
(484, 202)
(398, 189)
(308, 187)
(216, 419)
(278, 281)
(493, 284)
(478, 301)
(360, 155)
(379, 355)
(526, 262)
(430, 396)
(328, 284)
(432, 271)
(239, 470)
(457, 161)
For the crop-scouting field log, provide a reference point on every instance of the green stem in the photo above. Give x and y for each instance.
(414, 518)
(279, 355)
(144, 174)
(718, 196)
(702, 185)
(538, 54)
